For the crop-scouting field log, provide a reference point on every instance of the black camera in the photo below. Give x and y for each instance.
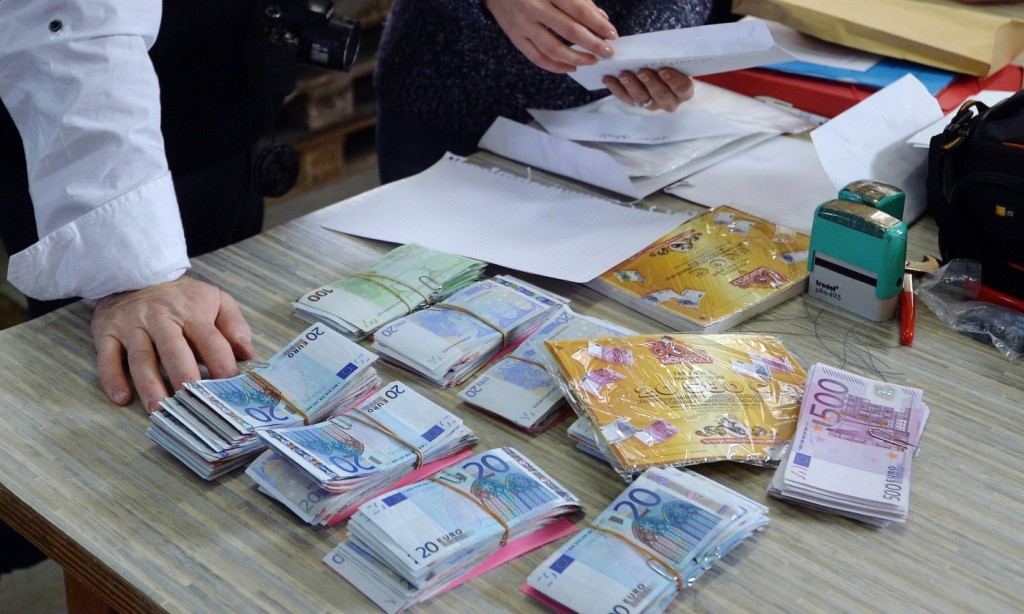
(294, 32)
(312, 31)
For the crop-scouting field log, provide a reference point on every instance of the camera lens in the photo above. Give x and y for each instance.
(333, 46)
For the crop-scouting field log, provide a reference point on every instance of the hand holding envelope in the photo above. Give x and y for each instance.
(693, 51)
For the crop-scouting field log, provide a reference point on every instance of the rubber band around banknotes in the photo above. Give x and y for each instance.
(490, 512)
(470, 312)
(527, 360)
(360, 417)
(292, 406)
(650, 557)
(375, 278)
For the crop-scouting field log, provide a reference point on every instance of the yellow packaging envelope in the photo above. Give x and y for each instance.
(966, 39)
(680, 399)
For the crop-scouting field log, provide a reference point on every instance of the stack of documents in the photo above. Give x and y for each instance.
(404, 280)
(518, 388)
(407, 545)
(448, 341)
(320, 470)
(674, 399)
(655, 539)
(211, 425)
(635, 152)
(853, 447)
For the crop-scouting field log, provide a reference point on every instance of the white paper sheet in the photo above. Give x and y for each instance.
(868, 141)
(701, 50)
(784, 180)
(780, 180)
(461, 208)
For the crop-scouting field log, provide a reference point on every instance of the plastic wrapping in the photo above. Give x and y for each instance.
(949, 292)
(677, 399)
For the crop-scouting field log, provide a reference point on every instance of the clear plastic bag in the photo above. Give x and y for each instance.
(949, 292)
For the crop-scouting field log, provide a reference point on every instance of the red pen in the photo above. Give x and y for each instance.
(907, 309)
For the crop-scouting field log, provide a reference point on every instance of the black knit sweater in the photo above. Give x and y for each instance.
(448, 63)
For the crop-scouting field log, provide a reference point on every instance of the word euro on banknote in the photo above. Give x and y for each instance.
(657, 537)
(402, 281)
(211, 424)
(518, 387)
(405, 546)
(854, 443)
(445, 343)
(321, 469)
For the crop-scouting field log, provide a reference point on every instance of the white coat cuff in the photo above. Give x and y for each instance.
(131, 242)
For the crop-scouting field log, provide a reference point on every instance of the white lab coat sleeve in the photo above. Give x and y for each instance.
(78, 82)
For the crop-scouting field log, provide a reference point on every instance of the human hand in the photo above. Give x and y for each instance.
(534, 27)
(665, 89)
(170, 325)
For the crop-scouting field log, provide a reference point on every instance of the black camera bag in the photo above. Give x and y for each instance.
(976, 190)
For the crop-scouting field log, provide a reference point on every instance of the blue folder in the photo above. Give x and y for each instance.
(885, 72)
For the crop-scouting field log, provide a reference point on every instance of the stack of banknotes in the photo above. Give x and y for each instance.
(445, 343)
(518, 387)
(407, 545)
(211, 425)
(406, 279)
(854, 443)
(582, 434)
(656, 538)
(320, 470)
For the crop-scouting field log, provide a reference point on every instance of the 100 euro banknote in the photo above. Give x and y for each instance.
(403, 280)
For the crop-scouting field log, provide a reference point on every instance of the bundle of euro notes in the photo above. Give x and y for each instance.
(518, 387)
(404, 280)
(211, 425)
(320, 470)
(678, 399)
(656, 538)
(854, 443)
(407, 545)
(581, 433)
(446, 342)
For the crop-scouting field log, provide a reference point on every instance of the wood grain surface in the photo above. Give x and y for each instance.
(82, 480)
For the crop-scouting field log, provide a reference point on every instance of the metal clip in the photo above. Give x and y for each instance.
(889, 438)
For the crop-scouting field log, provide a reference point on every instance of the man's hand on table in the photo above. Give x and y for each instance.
(175, 325)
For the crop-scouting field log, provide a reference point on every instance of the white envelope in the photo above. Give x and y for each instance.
(638, 170)
(700, 50)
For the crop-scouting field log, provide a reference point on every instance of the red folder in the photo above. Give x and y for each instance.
(830, 98)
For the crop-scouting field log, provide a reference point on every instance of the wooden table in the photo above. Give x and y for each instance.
(135, 529)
